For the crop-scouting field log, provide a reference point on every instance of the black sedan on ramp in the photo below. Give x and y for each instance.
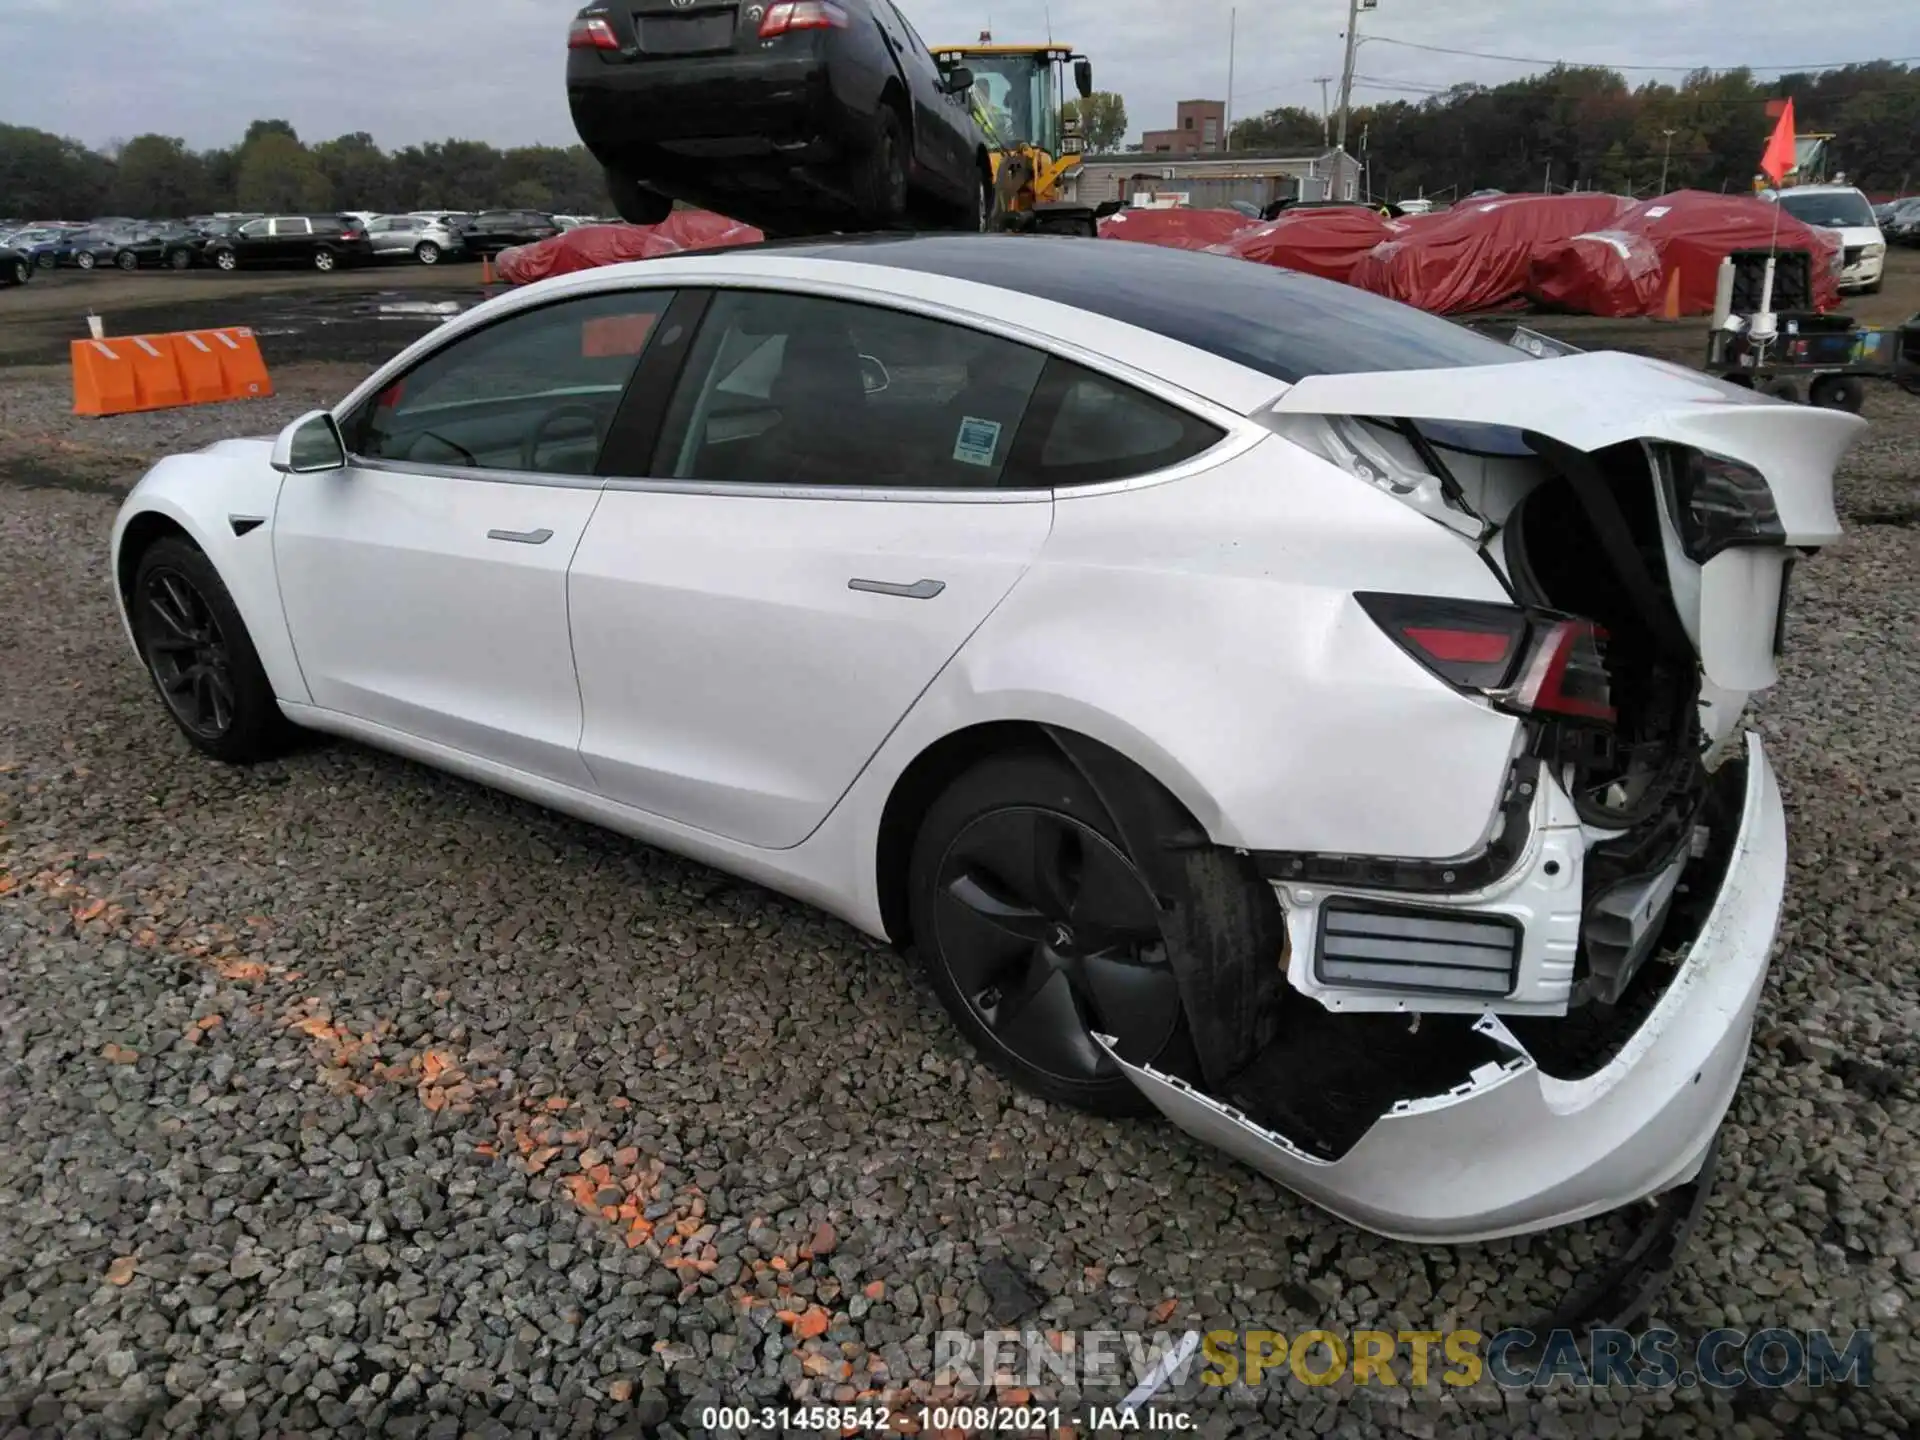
(790, 115)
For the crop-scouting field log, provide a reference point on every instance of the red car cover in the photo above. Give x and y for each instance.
(1695, 229)
(1178, 227)
(1325, 242)
(1604, 272)
(590, 246)
(1476, 256)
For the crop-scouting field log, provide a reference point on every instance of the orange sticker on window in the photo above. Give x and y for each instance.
(615, 335)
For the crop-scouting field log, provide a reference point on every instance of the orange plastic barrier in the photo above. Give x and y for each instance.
(125, 373)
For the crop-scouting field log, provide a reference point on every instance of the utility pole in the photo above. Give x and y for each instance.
(1665, 153)
(1346, 72)
(1226, 119)
(1323, 81)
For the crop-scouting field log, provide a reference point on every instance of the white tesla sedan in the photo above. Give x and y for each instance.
(1249, 696)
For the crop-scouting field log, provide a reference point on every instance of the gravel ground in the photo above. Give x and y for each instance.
(338, 1096)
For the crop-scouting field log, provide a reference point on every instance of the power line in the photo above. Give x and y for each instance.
(1610, 65)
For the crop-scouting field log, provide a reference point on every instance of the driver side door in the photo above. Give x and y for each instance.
(425, 584)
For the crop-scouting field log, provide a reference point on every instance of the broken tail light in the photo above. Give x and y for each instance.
(1529, 663)
(789, 15)
(1719, 503)
(591, 32)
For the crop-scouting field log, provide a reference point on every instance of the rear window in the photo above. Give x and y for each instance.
(1278, 322)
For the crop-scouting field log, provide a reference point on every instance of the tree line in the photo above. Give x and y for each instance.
(45, 176)
(1585, 126)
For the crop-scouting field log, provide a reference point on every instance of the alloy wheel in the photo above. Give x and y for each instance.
(1051, 934)
(226, 260)
(323, 260)
(188, 653)
(84, 260)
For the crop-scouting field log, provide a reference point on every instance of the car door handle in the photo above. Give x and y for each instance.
(918, 590)
(521, 537)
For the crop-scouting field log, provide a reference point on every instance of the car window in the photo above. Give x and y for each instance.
(1835, 209)
(535, 392)
(253, 228)
(798, 390)
(907, 25)
(289, 225)
(1086, 428)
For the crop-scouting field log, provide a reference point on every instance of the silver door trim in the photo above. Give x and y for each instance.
(522, 537)
(918, 590)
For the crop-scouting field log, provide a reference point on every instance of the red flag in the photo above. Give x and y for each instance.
(1778, 162)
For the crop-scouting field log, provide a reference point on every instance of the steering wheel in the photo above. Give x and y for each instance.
(569, 410)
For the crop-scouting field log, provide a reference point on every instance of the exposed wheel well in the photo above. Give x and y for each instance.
(141, 532)
(1138, 803)
(894, 95)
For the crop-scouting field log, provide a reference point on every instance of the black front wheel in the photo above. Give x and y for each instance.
(200, 656)
(127, 261)
(1038, 931)
(180, 259)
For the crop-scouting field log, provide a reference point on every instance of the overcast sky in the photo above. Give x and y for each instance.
(414, 70)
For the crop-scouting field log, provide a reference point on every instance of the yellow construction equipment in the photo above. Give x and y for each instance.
(1018, 96)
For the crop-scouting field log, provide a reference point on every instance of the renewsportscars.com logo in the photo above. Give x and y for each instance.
(1416, 1359)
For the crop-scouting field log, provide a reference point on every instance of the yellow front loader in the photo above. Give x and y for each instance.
(1018, 93)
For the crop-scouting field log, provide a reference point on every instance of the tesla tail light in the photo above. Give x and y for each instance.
(1528, 663)
(786, 15)
(1719, 503)
(591, 32)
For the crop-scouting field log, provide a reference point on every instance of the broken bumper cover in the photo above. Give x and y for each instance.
(1514, 1149)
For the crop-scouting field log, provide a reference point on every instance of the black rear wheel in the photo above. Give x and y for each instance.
(180, 259)
(127, 260)
(200, 655)
(20, 271)
(1037, 930)
(634, 202)
(881, 182)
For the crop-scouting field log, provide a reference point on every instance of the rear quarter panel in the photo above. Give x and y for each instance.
(1205, 627)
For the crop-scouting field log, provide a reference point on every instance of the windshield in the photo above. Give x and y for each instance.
(1834, 209)
(1014, 96)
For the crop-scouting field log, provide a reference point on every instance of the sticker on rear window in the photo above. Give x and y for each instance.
(977, 440)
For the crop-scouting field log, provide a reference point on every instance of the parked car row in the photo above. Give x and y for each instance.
(321, 241)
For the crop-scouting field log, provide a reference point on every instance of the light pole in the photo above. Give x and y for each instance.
(1323, 81)
(1354, 7)
(1666, 152)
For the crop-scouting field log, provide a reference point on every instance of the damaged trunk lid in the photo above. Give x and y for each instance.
(1739, 481)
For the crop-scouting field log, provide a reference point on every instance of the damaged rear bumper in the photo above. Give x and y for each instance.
(1513, 1149)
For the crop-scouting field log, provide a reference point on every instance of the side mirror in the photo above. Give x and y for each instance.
(957, 81)
(309, 445)
(1083, 77)
(873, 375)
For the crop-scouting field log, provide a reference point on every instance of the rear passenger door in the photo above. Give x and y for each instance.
(290, 238)
(940, 146)
(820, 527)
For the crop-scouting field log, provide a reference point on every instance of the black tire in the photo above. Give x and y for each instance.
(85, 260)
(324, 260)
(634, 202)
(1781, 387)
(983, 203)
(427, 253)
(181, 259)
(1029, 1001)
(127, 261)
(174, 577)
(880, 182)
(21, 272)
(1837, 392)
(225, 260)
(45, 260)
